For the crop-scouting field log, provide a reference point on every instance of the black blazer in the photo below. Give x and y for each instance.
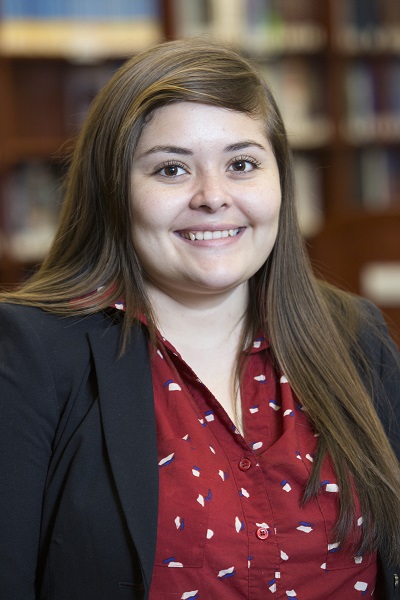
(78, 457)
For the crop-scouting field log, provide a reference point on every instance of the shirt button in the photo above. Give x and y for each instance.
(262, 533)
(244, 464)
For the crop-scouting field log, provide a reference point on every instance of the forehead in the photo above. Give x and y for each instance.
(192, 120)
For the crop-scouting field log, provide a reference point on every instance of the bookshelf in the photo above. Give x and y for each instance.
(54, 58)
(359, 247)
(334, 67)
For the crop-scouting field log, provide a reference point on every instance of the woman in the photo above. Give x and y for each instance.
(185, 411)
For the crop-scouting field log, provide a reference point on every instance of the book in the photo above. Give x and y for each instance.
(360, 101)
(368, 25)
(380, 282)
(192, 18)
(365, 14)
(227, 21)
(257, 26)
(374, 178)
(308, 186)
(393, 92)
(220, 19)
(372, 94)
(32, 196)
(298, 86)
(82, 84)
(394, 176)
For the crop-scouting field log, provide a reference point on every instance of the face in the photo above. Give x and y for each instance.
(205, 199)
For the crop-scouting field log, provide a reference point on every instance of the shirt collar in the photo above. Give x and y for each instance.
(260, 343)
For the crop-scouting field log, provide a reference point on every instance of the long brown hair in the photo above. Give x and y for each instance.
(312, 328)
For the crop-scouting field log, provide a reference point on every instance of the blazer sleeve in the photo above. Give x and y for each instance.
(28, 419)
(385, 359)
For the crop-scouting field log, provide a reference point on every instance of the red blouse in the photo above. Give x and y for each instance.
(230, 522)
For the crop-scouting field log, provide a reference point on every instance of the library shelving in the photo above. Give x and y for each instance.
(359, 247)
(54, 58)
(334, 67)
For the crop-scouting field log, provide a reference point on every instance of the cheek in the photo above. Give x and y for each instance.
(267, 212)
(271, 214)
(153, 211)
(146, 217)
(273, 205)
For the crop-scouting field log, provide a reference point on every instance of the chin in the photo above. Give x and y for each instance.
(220, 285)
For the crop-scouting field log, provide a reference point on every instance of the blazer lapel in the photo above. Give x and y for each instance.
(127, 409)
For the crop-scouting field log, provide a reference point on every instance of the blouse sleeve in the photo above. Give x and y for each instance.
(28, 419)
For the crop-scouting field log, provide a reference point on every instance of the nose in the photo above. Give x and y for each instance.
(211, 193)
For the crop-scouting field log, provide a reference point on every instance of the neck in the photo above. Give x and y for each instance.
(210, 320)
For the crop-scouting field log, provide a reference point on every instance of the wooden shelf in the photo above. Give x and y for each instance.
(12, 271)
(376, 40)
(22, 149)
(383, 129)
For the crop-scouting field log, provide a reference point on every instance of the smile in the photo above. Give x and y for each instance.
(209, 235)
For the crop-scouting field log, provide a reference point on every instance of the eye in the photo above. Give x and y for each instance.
(170, 169)
(243, 164)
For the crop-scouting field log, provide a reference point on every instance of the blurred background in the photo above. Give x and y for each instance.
(334, 66)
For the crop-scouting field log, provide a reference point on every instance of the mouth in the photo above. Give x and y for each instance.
(210, 235)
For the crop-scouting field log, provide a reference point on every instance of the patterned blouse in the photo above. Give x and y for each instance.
(230, 523)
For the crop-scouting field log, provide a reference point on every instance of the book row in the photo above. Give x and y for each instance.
(366, 15)
(372, 88)
(79, 9)
(371, 97)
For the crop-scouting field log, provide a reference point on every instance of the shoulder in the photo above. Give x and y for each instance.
(370, 341)
(363, 328)
(46, 322)
(382, 363)
(375, 341)
(32, 339)
(358, 320)
(50, 329)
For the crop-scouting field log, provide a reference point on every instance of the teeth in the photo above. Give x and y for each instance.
(210, 235)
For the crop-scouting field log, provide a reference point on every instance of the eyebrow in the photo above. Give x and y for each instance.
(243, 145)
(187, 152)
(168, 149)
